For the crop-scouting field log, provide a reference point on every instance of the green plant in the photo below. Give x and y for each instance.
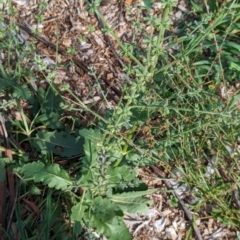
(171, 112)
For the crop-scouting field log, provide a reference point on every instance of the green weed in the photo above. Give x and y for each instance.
(175, 109)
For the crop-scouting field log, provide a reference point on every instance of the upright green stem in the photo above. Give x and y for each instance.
(161, 35)
(125, 148)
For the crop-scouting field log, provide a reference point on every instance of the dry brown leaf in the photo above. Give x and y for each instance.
(34, 207)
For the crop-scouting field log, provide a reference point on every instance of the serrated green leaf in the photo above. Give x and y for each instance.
(88, 162)
(123, 173)
(78, 211)
(133, 202)
(139, 115)
(50, 174)
(51, 102)
(106, 218)
(21, 91)
(60, 143)
(4, 84)
(90, 151)
(115, 154)
(105, 209)
(94, 135)
(50, 120)
(2, 171)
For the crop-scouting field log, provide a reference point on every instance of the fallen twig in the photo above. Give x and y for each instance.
(108, 41)
(61, 51)
(183, 206)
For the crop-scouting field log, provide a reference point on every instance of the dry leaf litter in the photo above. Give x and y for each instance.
(67, 24)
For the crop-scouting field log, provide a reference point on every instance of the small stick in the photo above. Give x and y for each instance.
(60, 50)
(107, 40)
(183, 206)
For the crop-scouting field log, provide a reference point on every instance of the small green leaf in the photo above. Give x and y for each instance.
(234, 100)
(21, 91)
(148, 4)
(77, 228)
(133, 202)
(50, 120)
(35, 190)
(78, 211)
(51, 175)
(4, 84)
(139, 115)
(121, 174)
(88, 162)
(229, 44)
(203, 62)
(235, 6)
(51, 102)
(94, 135)
(234, 66)
(196, 7)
